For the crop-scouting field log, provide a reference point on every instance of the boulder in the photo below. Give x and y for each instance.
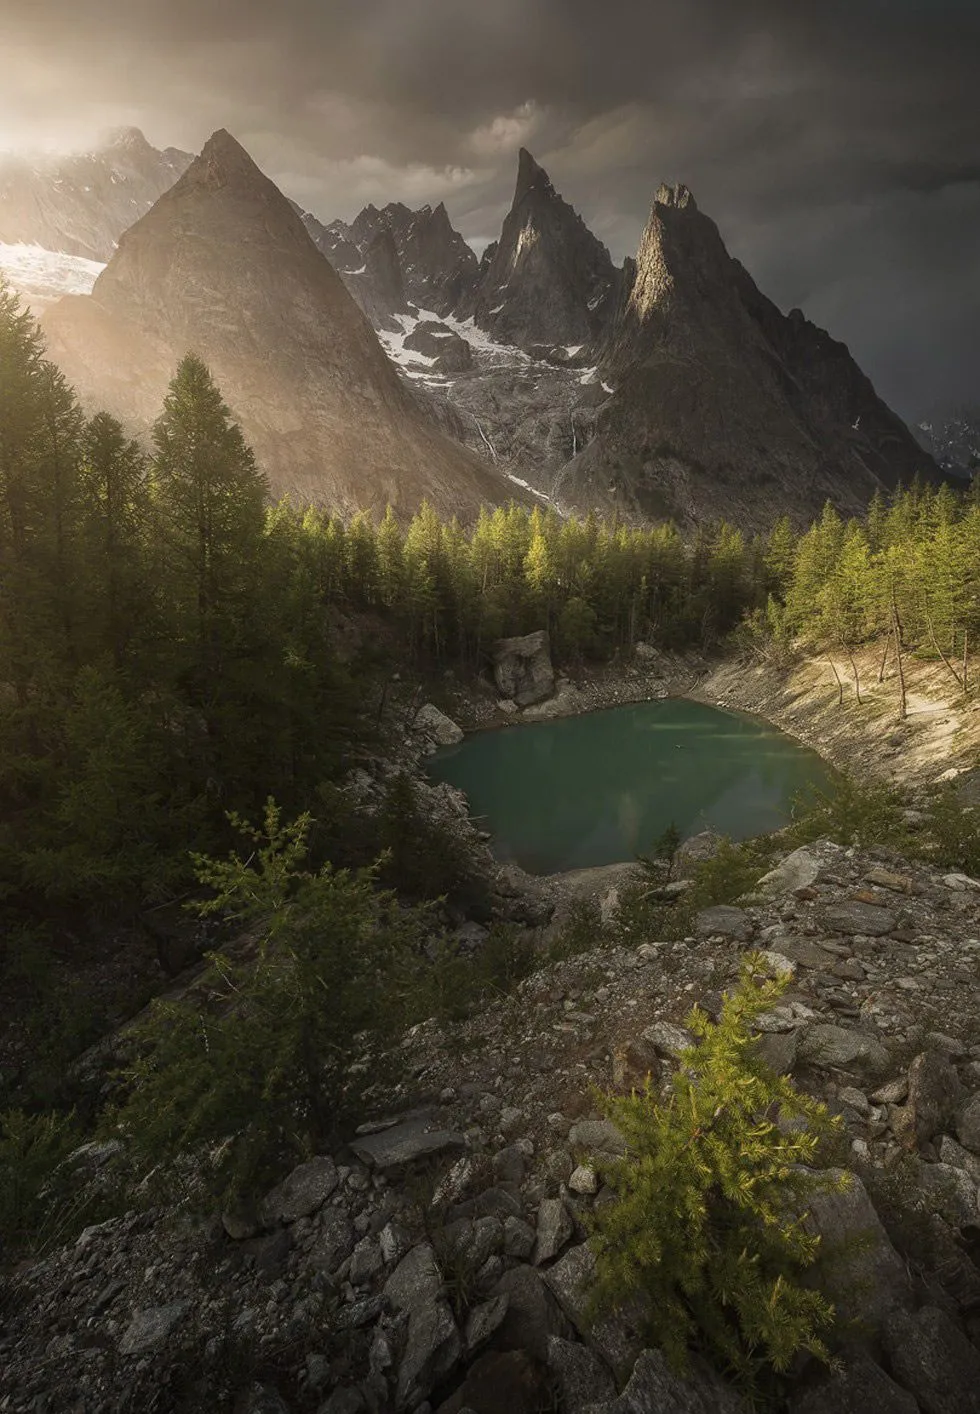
(968, 1125)
(533, 1314)
(442, 729)
(150, 1327)
(335, 1241)
(555, 1230)
(614, 1339)
(694, 851)
(858, 1387)
(852, 917)
(653, 1388)
(522, 668)
(933, 1095)
(724, 921)
(934, 1359)
(567, 701)
(405, 1143)
(843, 1048)
(416, 1281)
(433, 1346)
(581, 1378)
(950, 1192)
(305, 1190)
(597, 1136)
(507, 1380)
(798, 870)
(860, 1270)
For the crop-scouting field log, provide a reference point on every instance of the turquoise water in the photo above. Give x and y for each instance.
(600, 788)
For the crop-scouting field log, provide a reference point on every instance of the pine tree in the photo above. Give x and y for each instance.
(209, 499)
(701, 1246)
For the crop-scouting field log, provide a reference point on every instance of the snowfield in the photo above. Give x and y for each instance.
(416, 365)
(43, 276)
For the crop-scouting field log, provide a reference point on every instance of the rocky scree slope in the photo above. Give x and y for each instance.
(223, 265)
(438, 1260)
(81, 204)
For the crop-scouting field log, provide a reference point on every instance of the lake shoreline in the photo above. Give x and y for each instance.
(940, 736)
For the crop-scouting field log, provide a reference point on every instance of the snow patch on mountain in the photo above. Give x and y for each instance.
(43, 276)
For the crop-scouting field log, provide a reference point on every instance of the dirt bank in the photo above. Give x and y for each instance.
(939, 738)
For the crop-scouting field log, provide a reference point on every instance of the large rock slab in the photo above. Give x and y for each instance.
(522, 668)
(724, 921)
(433, 1346)
(859, 1387)
(854, 917)
(843, 1048)
(798, 870)
(533, 1314)
(305, 1190)
(654, 1389)
(404, 1143)
(860, 1270)
(934, 1359)
(581, 1377)
(442, 729)
(933, 1096)
(151, 1327)
(572, 1279)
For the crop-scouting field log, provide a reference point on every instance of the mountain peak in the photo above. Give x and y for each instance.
(225, 155)
(129, 139)
(678, 196)
(530, 175)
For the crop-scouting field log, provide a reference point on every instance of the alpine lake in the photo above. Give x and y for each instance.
(600, 788)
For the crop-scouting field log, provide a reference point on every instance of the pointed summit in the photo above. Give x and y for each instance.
(223, 159)
(223, 264)
(550, 282)
(530, 175)
(723, 402)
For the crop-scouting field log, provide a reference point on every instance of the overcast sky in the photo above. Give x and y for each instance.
(838, 150)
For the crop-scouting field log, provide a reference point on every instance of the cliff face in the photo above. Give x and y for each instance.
(722, 404)
(547, 281)
(223, 265)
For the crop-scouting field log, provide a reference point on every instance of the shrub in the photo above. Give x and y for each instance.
(954, 830)
(32, 1147)
(257, 1069)
(853, 813)
(704, 1240)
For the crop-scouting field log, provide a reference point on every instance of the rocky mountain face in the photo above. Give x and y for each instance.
(724, 405)
(547, 282)
(81, 204)
(952, 437)
(669, 387)
(222, 264)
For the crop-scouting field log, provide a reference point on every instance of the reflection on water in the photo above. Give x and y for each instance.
(600, 788)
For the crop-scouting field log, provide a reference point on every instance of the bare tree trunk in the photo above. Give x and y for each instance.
(897, 631)
(935, 644)
(884, 658)
(966, 642)
(840, 685)
(857, 680)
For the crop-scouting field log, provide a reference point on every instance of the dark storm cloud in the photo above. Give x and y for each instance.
(837, 145)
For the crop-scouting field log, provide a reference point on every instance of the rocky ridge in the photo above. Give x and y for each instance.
(438, 1262)
(81, 204)
(720, 397)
